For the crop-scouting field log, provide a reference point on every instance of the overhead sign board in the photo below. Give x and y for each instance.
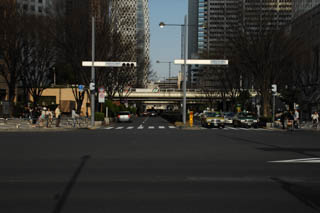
(109, 64)
(202, 62)
(101, 95)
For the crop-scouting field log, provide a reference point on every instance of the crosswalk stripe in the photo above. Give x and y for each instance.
(172, 127)
(110, 127)
(140, 127)
(130, 127)
(120, 127)
(151, 127)
(161, 127)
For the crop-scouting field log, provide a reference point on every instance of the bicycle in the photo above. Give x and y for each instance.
(290, 125)
(315, 124)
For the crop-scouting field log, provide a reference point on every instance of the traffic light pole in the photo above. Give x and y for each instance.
(273, 108)
(93, 75)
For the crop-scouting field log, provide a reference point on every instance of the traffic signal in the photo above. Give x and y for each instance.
(274, 88)
(128, 64)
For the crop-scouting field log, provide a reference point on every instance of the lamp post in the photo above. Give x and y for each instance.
(168, 62)
(184, 87)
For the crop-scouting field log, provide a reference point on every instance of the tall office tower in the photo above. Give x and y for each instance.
(131, 19)
(218, 21)
(301, 6)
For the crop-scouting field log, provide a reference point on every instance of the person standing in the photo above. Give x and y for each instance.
(57, 113)
(74, 116)
(315, 119)
(296, 118)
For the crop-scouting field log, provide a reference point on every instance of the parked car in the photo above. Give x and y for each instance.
(124, 116)
(228, 118)
(245, 119)
(212, 119)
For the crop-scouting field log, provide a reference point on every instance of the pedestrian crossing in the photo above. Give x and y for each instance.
(139, 127)
(237, 129)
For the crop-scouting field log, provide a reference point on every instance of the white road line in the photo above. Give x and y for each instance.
(161, 127)
(233, 128)
(110, 127)
(172, 127)
(244, 129)
(301, 160)
(130, 127)
(120, 127)
(151, 127)
(140, 127)
(145, 120)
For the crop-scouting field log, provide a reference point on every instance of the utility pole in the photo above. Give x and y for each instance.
(92, 84)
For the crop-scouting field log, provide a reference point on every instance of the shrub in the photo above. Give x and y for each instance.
(99, 116)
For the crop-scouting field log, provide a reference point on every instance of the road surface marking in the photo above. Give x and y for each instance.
(161, 127)
(244, 129)
(172, 127)
(151, 127)
(130, 127)
(110, 127)
(140, 127)
(301, 160)
(120, 127)
(145, 120)
(232, 128)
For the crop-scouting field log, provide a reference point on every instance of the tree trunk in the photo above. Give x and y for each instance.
(266, 104)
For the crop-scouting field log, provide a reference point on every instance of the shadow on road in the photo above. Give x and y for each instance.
(64, 196)
(308, 196)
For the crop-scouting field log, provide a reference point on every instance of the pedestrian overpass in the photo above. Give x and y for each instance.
(166, 97)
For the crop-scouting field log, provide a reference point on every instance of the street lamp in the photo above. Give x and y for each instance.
(168, 62)
(184, 29)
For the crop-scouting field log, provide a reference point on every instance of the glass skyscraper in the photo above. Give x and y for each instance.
(131, 19)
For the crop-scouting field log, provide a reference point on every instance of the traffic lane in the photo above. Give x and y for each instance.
(148, 159)
(303, 143)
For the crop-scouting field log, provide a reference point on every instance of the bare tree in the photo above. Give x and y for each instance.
(12, 43)
(263, 56)
(40, 50)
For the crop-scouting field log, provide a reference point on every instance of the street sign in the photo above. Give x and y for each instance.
(81, 87)
(109, 64)
(92, 86)
(274, 88)
(202, 62)
(101, 95)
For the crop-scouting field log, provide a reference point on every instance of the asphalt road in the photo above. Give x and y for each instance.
(157, 170)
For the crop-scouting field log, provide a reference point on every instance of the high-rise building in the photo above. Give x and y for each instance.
(218, 21)
(301, 6)
(131, 19)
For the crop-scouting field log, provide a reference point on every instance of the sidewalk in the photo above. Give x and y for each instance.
(17, 124)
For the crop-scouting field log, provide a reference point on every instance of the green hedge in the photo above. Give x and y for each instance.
(99, 116)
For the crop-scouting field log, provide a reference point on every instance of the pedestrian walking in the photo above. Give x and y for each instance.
(42, 117)
(49, 117)
(57, 113)
(296, 119)
(74, 116)
(315, 119)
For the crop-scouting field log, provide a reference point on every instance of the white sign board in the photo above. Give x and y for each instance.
(202, 62)
(109, 64)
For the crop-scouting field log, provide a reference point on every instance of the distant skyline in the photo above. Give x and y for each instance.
(165, 44)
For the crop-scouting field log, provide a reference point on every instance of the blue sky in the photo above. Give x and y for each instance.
(166, 43)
